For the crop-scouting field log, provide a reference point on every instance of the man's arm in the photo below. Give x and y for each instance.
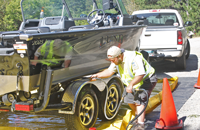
(133, 82)
(34, 62)
(104, 74)
(67, 63)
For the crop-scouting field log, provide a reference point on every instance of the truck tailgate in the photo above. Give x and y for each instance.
(162, 38)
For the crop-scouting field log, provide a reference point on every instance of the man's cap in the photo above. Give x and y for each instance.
(114, 51)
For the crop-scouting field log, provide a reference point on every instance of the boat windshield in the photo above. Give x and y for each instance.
(33, 8)
(77, 8)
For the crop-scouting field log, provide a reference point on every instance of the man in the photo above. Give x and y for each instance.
(51, 51)
(135, 72)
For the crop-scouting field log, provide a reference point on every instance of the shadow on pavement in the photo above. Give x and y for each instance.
(169, 66)
(183, 90)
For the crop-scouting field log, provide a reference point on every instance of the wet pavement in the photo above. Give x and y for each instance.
(45, 120)
(164, 69)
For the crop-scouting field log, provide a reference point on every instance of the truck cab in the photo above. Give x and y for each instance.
(165, 36)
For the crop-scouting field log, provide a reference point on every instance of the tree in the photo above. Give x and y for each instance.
(131, 6)
(3, 5)
(190, 12)
(13, 17)
(155, 4)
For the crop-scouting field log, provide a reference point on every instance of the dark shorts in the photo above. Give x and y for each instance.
(140, 98)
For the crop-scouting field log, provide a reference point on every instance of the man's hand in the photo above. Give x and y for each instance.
(129, 89)
(34, 63)
(104, 74)
(93, 77)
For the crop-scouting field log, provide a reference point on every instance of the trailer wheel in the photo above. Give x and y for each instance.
(86, 111)
(181, 62)
(187, 50)
(112, 102)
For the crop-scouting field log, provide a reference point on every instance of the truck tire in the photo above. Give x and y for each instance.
(86, 111)
(112, 102)
(145, 55)
(181, 62)
(138, 47)
(187, 50)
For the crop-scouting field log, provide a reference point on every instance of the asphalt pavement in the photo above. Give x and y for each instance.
(185, 96)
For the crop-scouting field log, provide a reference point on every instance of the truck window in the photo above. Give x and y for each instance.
(158, 19)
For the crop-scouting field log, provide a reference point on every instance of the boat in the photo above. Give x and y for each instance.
(58, 42)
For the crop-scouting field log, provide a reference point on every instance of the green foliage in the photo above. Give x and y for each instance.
(2, 13)
(32, 8)
(12, 18)
(188, 9)
(154, 4)
(190, 12)
(81, 22)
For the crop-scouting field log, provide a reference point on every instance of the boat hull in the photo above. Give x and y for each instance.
(87, 55)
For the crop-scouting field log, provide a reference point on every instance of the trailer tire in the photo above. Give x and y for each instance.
(112, 103)
(86, 111)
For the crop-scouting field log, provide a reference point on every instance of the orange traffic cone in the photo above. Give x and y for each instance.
(168, 117)
(197, 85)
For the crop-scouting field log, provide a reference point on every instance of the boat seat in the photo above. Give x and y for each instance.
(37, 30)
(57, 23)
(81, 27)
(146, 22)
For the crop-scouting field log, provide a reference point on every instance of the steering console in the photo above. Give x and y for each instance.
(97, 18)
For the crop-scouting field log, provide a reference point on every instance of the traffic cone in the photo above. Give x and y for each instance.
(197, 85)
(168, 117)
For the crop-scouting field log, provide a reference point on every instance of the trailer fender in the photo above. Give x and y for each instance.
(72, 92)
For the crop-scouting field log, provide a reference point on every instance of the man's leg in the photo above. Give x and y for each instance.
(142, 116)
(133, 107)
(134, 110)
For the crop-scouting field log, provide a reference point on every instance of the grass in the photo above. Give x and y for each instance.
(195, 116)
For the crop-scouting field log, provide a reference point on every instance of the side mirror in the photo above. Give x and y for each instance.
(188, 23)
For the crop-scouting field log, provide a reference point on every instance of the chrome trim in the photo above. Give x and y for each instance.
(25, 37)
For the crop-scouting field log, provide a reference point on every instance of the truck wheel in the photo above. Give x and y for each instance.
(145, 55)
(187, 50)
(138, 47)
(86, 111)
(112, 102)
(181, 62)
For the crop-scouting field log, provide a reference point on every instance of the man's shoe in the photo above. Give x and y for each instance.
(134, 122)
(138, 126)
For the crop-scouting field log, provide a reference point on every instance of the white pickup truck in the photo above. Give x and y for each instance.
(165, 36)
